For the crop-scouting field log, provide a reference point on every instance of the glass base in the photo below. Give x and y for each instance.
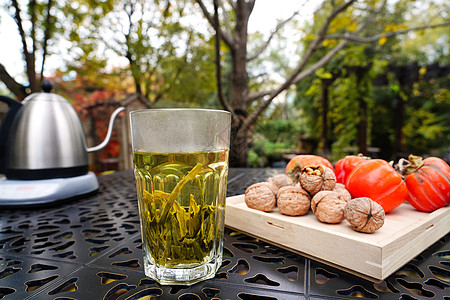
(181, 276)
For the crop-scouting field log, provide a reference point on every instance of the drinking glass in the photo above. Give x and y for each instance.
(180, 159)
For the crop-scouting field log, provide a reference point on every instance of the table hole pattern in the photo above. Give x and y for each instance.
(4, 291)
(442, 254)
(189, 296)
(227, 252)
(246, 296)
(13, 262)
(146, 281)
(406, 297)
(290, 272)
(225, 263)
(446, 264)
(132, 263)
(146, 294)
(322, 276)
(210, 292)
(440, 273)
(415, 287)
(436, 283)
(74, 242)
(118, 290)
(107, 277)
(177, 288)
(41, 267)
(385, 287)
(67, 287)
(8, 271)
(121, 251)
(357, 291)
(96, 250)
(261, 279)
(221, 276)
(270, 259)
(68, 255)
(242, 267)
(248, 248)
(33, 285)
(411, 271)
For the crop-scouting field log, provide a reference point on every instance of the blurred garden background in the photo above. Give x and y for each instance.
(330, 77)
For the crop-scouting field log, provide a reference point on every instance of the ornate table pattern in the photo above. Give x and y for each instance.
(90, 248)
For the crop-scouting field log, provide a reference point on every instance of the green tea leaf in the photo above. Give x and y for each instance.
(162, 194)
(189, 176)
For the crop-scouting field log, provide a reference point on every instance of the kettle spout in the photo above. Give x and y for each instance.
(108, 134)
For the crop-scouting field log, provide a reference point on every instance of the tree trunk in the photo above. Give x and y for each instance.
(239, 88)
(239, 146)
(406, 76)
(324, 141)
(360, 72)
(398, 127)
(362, 126)
(324, 129)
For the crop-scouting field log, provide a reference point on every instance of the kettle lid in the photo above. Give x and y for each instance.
(46, 95)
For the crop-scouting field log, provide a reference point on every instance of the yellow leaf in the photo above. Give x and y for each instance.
(329, 43)
(353, 26)
(310, 37)
(422, 71)
(382, 41)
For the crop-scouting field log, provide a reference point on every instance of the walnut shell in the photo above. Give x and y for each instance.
(364, 214)
(280, 180)
(293, 201)
(317, 178)
(260, 196)
(328, 207)
(343, 193)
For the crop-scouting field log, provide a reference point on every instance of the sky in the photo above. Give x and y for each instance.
(264, 19)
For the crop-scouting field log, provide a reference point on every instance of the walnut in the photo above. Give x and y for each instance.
(317, 178)
(344, 194)
(293, 201)
(364, 214)
(280, 180)
(261, 196)
(328, 207)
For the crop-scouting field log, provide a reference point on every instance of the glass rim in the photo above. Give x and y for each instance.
(147, 110)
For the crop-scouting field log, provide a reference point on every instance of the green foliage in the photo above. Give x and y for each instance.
(428, 113)
(344, 115)
(424, 121)
(279, 131)
(272, 139)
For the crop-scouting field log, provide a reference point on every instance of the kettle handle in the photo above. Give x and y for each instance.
(5, 127)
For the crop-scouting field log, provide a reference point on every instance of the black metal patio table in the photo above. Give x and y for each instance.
(90, 248)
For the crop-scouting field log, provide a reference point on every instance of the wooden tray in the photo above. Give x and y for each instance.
(405, 234)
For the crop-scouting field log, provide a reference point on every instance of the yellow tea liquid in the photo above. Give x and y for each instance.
(181, 204)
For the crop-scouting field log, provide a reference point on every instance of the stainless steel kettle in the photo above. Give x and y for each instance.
(42, 138)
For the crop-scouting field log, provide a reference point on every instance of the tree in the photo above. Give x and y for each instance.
(332, 34)
(41, 25)
(165, 55)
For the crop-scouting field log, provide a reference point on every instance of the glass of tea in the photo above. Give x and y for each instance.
(180, 159)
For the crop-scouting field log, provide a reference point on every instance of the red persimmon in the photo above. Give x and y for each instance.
(345, 165)
(428, 182)
(297, 163)
(377, 180)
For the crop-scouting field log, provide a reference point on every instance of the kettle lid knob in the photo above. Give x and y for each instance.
(47, 86)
